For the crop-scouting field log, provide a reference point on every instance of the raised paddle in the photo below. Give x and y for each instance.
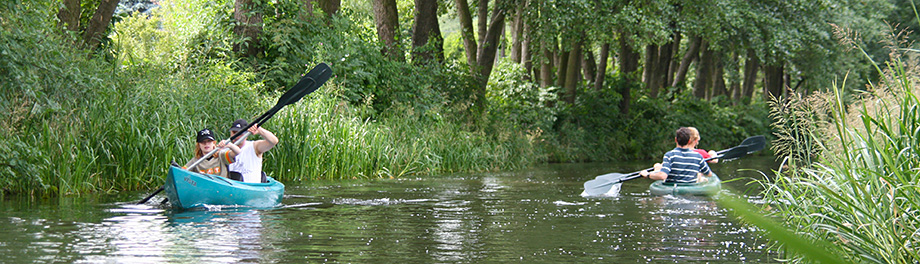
(307, 84)
(604, 183)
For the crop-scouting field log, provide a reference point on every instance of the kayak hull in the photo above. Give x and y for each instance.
(709, 188)
(186, 189)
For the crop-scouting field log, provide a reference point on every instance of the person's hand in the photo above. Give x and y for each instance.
(657, 166)
(643, 173)
(223, 143)
(254, 129)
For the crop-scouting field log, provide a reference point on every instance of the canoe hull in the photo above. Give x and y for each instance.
(186, 189)
(709, 188)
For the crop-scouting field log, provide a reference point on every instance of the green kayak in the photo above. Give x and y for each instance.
(711, 187)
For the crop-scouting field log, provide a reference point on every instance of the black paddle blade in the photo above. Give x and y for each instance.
(307, 84)
(734, 153)
(754, 144)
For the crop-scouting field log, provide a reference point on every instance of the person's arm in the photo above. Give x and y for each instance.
(705, 170)
(656, 173)
(269, 140)
(713, 153)
(228, 151)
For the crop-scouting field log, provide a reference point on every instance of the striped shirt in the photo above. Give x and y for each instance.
(682, 165)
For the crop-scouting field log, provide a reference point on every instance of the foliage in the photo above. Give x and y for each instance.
(593, 129)
(522, 103)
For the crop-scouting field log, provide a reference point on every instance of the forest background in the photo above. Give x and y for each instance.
(100, 95)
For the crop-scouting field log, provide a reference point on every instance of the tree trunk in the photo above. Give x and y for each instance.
(602, 67)
(673, 62)
(690, 56)
(69, 15)
(526, 56)
(651, 58)
(588, 64)
(734, 86)
(307, 11)
(466, 32)
(330, 7)
(487, 53)
(427, 43)
(663, 68)
(517, 32)
(482, 10)
(773, 80)
(546, 68)
(629, 63)
(751, 67)
(572, 74)
(652, 69)
(248, 28)
(718, 75)
(502, 43)
(491, 42)
(703, 71)
(99, 23)
(562, 66)
(387, 21)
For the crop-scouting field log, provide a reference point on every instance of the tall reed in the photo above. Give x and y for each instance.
(323, 139)
(862, 193)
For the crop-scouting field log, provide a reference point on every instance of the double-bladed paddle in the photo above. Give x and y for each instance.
(307, 84)
(604, 183)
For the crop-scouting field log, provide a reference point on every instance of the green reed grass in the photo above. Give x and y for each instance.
(863, 193)
(321, 138)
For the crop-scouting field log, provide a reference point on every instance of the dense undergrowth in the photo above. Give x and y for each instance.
(112, 119)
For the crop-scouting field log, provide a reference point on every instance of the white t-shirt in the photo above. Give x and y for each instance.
(248, 164)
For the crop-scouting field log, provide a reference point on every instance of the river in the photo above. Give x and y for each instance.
(529, 216)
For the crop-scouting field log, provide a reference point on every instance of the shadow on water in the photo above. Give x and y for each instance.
(535, 215)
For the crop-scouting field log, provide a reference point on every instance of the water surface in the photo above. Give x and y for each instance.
(533, 215)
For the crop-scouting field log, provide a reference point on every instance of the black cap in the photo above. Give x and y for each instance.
(238, 125)
(204, 135)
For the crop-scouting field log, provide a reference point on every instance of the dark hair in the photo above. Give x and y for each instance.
(682, 136)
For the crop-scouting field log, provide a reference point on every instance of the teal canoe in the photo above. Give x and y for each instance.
(711, 187)
(186, 189)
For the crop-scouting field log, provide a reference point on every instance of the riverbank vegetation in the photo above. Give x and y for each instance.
(852, 178)
(528, 82)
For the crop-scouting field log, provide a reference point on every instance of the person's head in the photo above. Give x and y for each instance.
(694, 136)
(238, 126)
(205, 142)
(682, 136)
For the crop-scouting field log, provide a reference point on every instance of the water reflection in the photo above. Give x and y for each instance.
(533, 216)
(217, 234)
